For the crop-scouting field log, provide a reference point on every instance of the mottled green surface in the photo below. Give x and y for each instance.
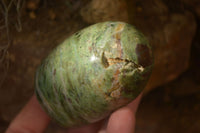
(93, 72)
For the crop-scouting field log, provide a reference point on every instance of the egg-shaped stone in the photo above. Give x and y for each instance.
(94, 72)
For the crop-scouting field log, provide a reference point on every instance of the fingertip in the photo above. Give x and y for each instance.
(31, 119)
(135, 103)
(123, 120)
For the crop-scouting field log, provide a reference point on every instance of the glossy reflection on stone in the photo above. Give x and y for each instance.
(94, 72)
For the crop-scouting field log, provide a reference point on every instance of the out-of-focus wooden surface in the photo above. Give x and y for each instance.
(173, 107)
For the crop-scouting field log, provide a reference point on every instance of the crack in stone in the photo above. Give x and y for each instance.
(106, 62)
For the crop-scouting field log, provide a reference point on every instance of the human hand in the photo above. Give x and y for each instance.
(32, 119)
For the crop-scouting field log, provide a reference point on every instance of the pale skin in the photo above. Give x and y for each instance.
(32, 119)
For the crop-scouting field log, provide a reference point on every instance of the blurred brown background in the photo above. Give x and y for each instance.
(30, 29)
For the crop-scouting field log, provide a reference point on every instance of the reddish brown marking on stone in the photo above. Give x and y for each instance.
(116, 74)
(104, 60)
(116, 84)
(143, 55)
(99, 85)
(119, 48)
(99, 81)
(112, 61)
(118, 39)
(69, 100)
(90, 49)
(54, 72)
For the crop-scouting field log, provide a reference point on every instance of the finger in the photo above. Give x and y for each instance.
(135, 103)
(123, 120)
(32, 119)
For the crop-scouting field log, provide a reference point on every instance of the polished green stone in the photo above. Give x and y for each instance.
(94, 72)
